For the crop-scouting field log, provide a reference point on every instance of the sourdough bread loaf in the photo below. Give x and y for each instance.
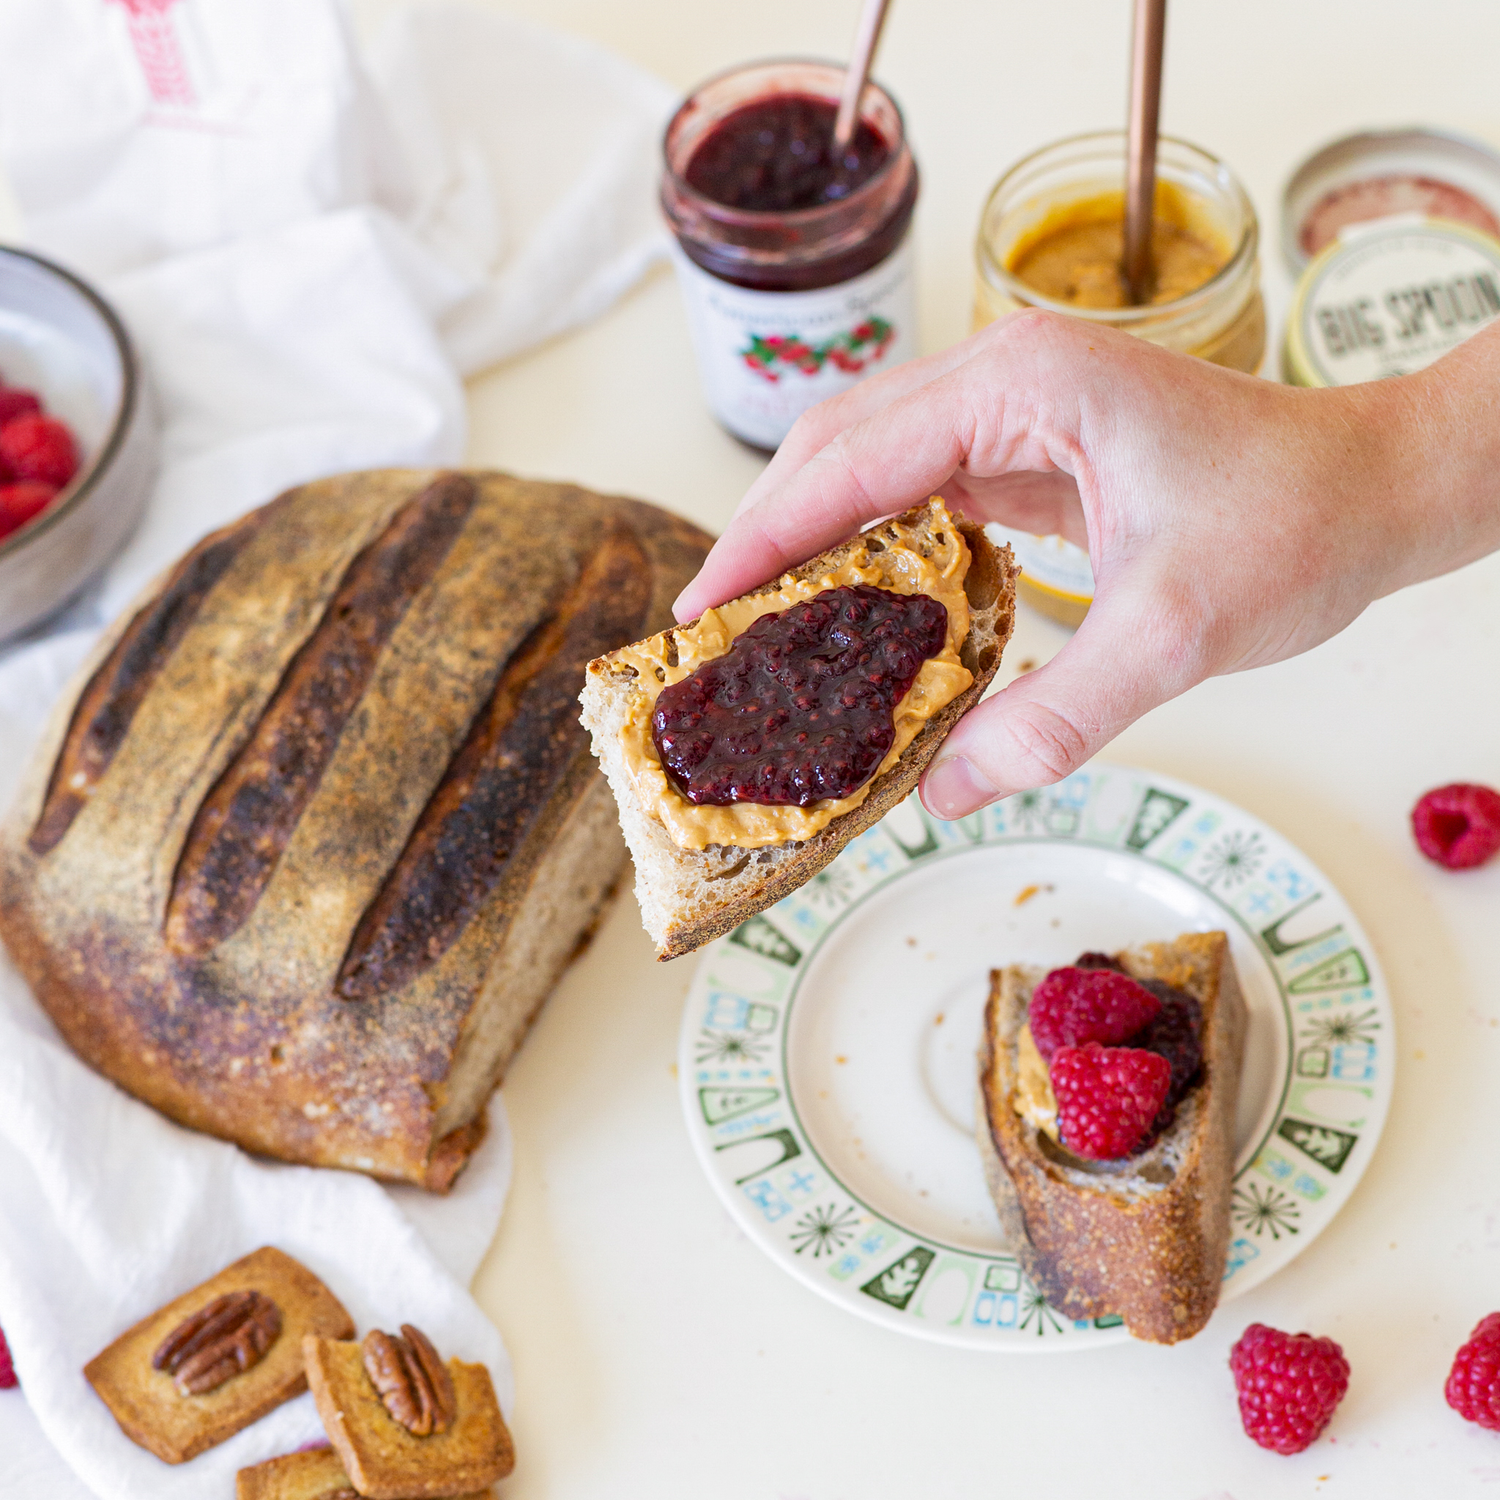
(315, 830)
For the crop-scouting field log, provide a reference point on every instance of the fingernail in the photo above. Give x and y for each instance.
(953, 788)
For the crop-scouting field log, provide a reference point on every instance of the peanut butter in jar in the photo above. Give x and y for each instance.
(1052, 236)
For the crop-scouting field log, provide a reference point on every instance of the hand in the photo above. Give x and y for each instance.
(1231, 522)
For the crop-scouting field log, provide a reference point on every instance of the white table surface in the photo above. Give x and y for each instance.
(657, 1352)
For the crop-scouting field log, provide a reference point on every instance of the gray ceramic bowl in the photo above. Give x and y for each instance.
(60, 337)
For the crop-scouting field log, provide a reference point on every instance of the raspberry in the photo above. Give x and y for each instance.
(1473, 1388)
(1289, 1385)
(801, 707)
(1107, 1097)
(38, 447)
(1073, 1006)
(1459, 825)
(8, 1379)
(19, 502)
(17, 402)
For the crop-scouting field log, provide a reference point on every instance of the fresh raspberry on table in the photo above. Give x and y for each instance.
(1458, 825)
(1072, 1006)
(16, 401)
(1473, 1388)
(1107, 1097)
(20, 501)
(40, 448)
(8, 1379)
(1288, 1384)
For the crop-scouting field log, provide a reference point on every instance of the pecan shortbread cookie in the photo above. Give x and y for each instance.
(218, 1357)
(405, 1422)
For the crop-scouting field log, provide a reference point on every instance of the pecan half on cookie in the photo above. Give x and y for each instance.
(413, 1382)
(218, 1341)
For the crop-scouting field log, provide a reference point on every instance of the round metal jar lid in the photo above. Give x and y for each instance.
(1388, 298)
(1376, 174)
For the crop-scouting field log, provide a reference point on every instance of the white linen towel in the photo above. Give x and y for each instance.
(311, 249)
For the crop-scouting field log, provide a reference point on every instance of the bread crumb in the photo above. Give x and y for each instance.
(1025, 895)
(939, 1018)
(840, 1058)
(911, 942)
(673, 1070)
(1028, 664)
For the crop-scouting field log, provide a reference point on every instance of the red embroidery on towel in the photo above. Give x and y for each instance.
(158, 51)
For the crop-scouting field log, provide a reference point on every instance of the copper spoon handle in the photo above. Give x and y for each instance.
(866, 39)
(1149, 30)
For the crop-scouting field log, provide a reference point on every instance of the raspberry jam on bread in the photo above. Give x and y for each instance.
(925, 553)
(801, 708)
(703, 867)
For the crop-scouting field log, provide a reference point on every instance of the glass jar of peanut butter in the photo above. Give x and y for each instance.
(1052, 236)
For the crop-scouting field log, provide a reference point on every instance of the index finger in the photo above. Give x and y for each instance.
(879, 466)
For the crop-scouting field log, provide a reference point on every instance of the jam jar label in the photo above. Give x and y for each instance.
(765, 357)
(1391, 298)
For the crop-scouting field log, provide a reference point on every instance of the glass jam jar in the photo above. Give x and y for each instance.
(1207, 238)
(796, 269)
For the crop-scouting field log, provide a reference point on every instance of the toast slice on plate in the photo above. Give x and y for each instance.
(699, 871)
(1143, 1238)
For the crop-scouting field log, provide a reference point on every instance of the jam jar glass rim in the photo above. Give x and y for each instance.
(1239, 263)
(825, 216)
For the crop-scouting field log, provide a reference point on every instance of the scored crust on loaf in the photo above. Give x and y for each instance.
(315, 829)
(1146, 1239)
(689, 897)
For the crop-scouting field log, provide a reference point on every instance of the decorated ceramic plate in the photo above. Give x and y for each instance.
(828, 1050)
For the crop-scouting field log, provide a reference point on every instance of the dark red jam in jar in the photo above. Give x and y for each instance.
(776, 156)
(795, 263)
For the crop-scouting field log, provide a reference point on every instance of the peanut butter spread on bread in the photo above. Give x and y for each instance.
(1034, 1100)
(899, 566)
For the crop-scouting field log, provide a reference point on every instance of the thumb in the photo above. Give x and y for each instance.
(1048, 723)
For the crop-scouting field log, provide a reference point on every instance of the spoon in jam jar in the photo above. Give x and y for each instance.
(866, 39)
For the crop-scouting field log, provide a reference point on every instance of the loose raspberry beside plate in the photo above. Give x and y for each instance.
(1289, 1385)
(1107, 1097)
(1473, 1388)
(1072, 1006)
(1458, 826)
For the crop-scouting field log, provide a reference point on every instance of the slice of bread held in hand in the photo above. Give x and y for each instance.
(1144, 1237)
(701, 868)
